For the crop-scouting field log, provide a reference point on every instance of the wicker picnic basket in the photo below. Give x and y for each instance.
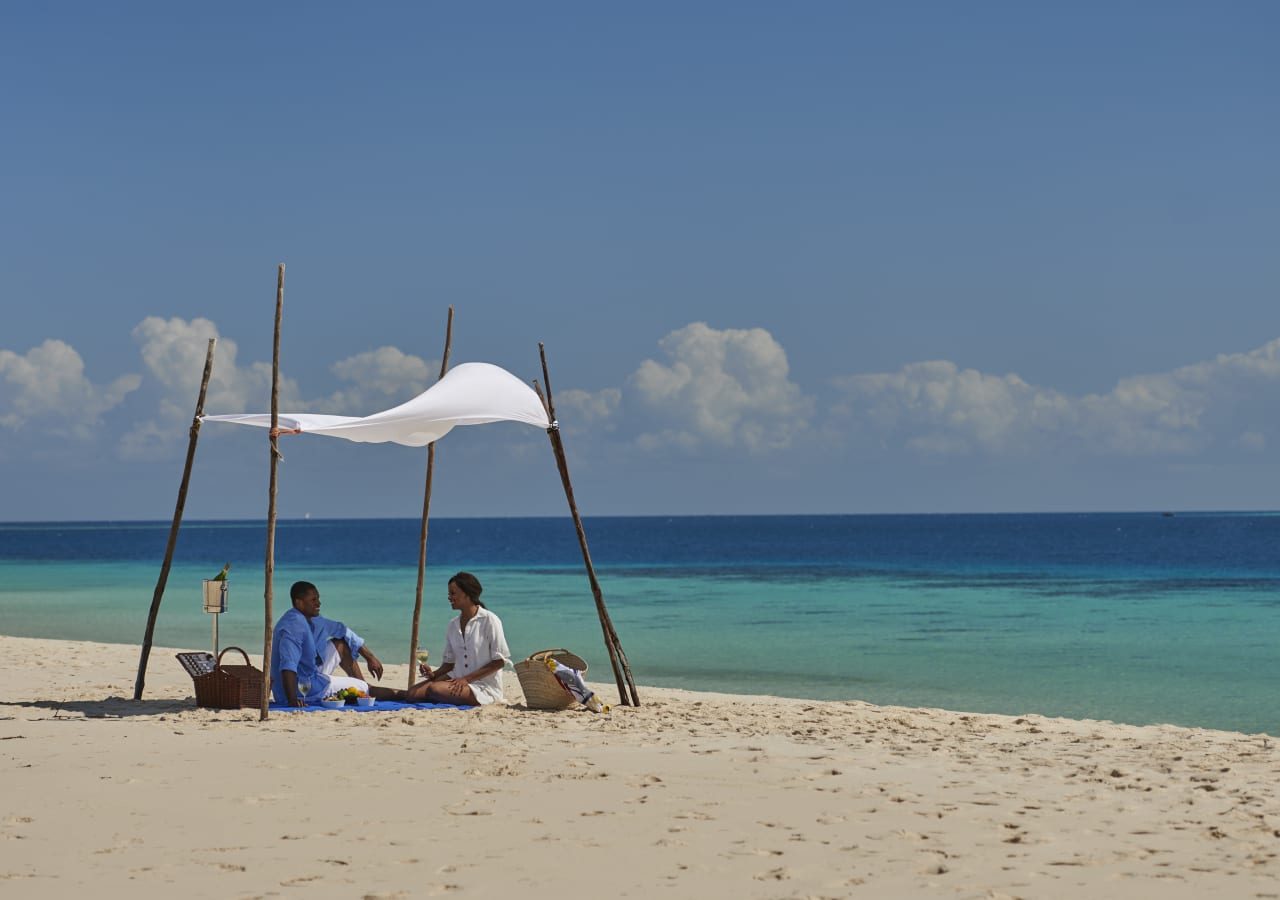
(542, 690)
(223, 687)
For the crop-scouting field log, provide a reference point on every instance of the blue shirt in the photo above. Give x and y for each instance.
(293, 649)
(323, 629)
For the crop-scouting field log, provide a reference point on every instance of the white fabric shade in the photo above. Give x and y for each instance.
(469, 394)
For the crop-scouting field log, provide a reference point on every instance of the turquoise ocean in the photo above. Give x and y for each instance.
(1138, 618)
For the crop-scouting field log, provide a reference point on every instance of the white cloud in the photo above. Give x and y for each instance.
(713, 388)
(173, 351)
(148, 440)
(47, 386)
(717, 387)
(721, 387)
(939, 408)
(377, 379)
(589, 407)
(936, 407)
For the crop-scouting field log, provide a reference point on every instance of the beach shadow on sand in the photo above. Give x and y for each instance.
(108, 708)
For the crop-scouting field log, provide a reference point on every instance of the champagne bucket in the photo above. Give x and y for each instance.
(215, 596)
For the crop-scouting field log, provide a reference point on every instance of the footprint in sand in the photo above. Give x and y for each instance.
(782, 873)
(301, 879)
(264, 798)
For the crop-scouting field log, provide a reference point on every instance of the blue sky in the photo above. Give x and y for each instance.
(786, 258)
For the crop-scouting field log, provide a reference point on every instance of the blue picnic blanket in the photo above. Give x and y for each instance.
(378, 706)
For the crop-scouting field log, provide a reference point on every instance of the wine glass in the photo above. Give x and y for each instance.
(423, 656)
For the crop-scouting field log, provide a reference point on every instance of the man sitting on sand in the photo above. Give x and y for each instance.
(298, 661)
(339, 646)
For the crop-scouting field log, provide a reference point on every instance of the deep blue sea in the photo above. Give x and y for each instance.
(1136, 618)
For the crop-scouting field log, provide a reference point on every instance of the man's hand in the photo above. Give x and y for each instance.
(289, 681)
(375, 664)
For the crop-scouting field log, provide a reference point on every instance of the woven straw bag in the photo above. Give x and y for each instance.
(542, 690)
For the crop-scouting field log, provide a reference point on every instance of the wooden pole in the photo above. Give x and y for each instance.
(193, 437)
(426, 512)
(274, 439)
(617, 658)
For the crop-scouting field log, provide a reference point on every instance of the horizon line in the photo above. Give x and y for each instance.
(1164, 513)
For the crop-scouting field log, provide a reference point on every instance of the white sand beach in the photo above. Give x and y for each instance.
(690, 795)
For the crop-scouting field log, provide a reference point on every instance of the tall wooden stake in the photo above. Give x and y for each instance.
(194, 436)
(274, 438)
(617, 658)
(426, 512)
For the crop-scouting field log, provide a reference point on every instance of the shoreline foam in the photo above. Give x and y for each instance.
(692, 794)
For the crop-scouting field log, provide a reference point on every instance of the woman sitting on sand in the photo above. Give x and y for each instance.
(475, 650)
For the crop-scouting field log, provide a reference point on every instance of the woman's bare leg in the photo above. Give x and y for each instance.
(443, 691)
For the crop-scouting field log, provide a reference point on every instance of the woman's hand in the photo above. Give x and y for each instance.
(436, 674)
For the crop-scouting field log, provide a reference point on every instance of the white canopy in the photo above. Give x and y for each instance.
(469, 394)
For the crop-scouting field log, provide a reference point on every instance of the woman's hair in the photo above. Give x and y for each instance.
(469, 585)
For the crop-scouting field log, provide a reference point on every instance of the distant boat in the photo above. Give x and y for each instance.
(1167, 515)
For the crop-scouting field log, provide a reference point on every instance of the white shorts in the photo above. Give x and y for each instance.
(329, 660)
(486, 693)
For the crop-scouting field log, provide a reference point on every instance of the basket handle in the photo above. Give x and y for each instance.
(542, 653)
(238, 650)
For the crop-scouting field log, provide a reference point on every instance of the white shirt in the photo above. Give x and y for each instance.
(482, 644)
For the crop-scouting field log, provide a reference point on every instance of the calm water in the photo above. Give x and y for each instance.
(1132, 617)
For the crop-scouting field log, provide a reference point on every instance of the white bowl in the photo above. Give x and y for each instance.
(365, 701)
(332, 704)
